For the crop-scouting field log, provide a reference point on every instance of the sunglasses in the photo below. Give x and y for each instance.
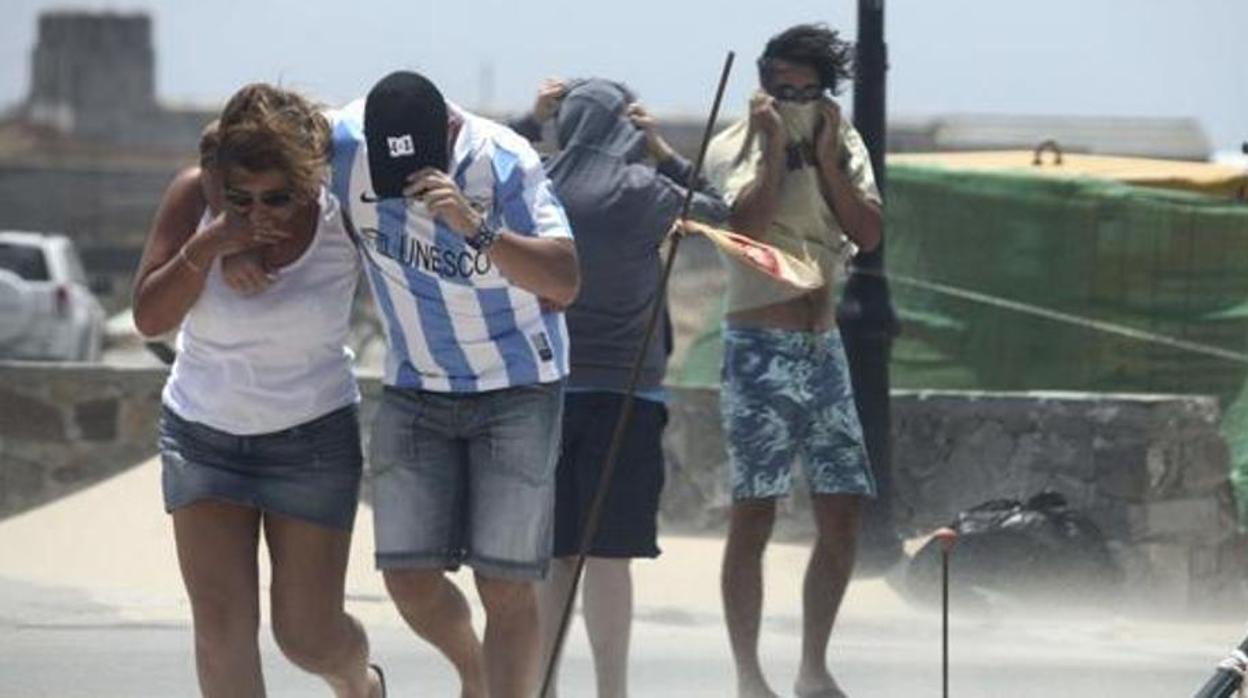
(800, 95)
(268, 199)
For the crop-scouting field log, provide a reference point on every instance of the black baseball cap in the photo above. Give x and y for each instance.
(405, 127)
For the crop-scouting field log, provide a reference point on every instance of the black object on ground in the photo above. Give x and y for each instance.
(1021, 550)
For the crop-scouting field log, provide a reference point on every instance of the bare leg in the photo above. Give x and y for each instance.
(608, 609)
(552, 594)
(512, 637)
(837, 517)
(309, 623)
(439, 613)
(217, 544)
(741, 581)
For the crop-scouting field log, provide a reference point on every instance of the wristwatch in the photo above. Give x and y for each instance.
(486, 235)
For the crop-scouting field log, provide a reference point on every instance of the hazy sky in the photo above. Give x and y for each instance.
(1103, 57)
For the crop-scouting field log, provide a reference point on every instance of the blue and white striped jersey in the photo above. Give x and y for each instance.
(453, 322)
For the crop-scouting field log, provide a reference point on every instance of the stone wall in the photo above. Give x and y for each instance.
(1150, 471)
(64, 427)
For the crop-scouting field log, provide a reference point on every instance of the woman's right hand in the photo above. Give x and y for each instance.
(231, 232)
(245, 273)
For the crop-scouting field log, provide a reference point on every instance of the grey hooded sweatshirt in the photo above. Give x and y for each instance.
(621, 209)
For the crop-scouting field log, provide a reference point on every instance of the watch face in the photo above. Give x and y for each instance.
(484, 237)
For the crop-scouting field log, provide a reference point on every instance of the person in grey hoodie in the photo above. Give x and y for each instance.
(621, 208)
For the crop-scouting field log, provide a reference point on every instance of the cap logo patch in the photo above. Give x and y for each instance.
(401, 146)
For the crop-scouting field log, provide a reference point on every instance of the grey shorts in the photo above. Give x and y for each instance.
(786, 394)
(466, 479)
(309, 472)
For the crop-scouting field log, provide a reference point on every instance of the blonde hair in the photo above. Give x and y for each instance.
(264, 127)
(209, 142)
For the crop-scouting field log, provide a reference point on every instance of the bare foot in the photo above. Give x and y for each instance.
(818, 687)
(755, 689)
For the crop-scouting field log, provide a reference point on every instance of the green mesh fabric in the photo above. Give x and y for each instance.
(1161, 262)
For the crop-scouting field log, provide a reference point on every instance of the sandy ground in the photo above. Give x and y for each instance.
(91, 604)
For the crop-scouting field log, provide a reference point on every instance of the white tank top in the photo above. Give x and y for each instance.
(257, 364)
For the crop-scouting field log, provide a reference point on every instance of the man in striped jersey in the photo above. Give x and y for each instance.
(463, 239)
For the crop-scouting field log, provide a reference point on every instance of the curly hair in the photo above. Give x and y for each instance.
(264, 127)
(813, 45)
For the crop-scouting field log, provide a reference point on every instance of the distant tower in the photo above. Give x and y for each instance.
(91, 73)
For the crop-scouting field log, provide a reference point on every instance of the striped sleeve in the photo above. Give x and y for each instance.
(524, 199)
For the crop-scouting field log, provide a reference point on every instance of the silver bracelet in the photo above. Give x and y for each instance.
(186, 258)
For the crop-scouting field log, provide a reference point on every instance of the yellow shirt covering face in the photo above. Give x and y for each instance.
(805, 228)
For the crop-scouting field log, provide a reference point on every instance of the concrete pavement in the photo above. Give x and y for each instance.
(91, 604)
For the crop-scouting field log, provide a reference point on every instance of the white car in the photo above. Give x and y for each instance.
(47, 310)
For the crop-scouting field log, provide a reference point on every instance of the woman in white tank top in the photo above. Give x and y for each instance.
(259, 428)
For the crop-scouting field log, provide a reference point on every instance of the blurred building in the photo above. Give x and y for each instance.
(90, 150)
(92, 147)
(1167, 138)
(92, 78)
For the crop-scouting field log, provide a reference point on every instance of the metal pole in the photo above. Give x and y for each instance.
(944, 624)
(948, 539)
(1226, 681)
(865, 315)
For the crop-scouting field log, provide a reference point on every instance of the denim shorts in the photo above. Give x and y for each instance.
(466, 479)
(787, 394)
(309, 472)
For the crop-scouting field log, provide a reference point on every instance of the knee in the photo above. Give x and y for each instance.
(837, 518)
(507, 597)
(222, 626)
(613, 574)
(751, 525)
(308, 640)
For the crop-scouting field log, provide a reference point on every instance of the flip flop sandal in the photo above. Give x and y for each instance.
(381, 678)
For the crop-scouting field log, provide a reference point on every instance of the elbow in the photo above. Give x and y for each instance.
(148, 327)
(749, 226)
(870, 231)
(752, 218)
(563, 281)
(148, 324)
(869, 242)
(570, 286)
(567, 296)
